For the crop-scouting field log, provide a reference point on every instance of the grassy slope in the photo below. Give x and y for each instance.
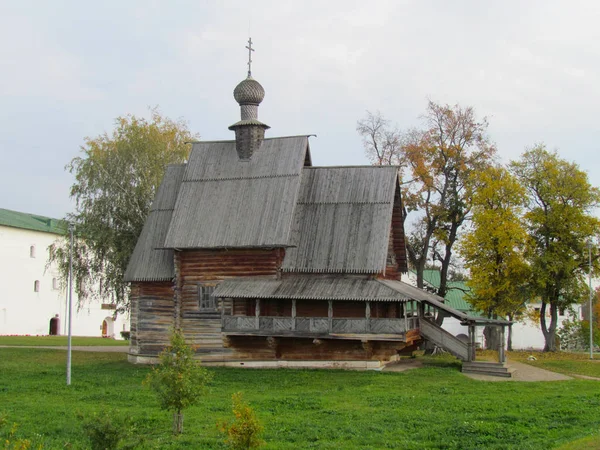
(433, 407)
(57, 341)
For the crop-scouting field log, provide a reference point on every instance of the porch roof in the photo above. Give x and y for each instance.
(309, 288)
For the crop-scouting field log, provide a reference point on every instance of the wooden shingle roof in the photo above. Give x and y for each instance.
(225, 202)
(342, 220)
(308, 288)
(149, 261)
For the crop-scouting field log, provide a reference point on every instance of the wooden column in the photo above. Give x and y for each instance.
(293, 315)
(257, 314)
(368, 315)
(501, 354)
(330, 315)
(472, 340)
(405, 317)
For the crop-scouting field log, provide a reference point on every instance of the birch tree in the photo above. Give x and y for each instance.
(116, 177)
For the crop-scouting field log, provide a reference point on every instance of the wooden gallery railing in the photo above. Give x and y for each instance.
(318, 325)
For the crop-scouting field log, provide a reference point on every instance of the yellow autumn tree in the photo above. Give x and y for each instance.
(494, 247)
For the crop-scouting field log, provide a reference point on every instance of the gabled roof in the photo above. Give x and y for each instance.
(149, 262)
(225, 202)
(342, 220)
(32, 222)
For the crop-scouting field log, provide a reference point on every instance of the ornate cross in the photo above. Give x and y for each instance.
(250, 50)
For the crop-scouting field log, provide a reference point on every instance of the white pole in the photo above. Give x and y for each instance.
(591, 301)
(70, 306)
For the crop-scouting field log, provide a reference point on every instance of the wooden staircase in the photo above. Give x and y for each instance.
(491, 368)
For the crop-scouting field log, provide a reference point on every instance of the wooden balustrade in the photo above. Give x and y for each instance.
(318, 325)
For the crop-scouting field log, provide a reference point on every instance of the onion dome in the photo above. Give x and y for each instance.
(249, 92)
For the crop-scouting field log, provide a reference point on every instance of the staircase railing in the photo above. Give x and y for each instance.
(443, 339)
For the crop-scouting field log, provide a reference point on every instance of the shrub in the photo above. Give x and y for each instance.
(179, 381)
(11, 442)
(245, 430)
(106, 430)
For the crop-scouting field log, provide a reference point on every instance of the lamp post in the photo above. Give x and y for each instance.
(591, 299)
(71, 226)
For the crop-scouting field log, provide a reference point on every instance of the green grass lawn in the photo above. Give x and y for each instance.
(57, 341)
(434, 407)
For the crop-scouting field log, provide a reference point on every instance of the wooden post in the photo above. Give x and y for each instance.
(472, 337)
(368, 316)
(257, 314)
(405, 317)
(421, 307)
(222, 301)
(501, 354)
(294, 315)
(330, 315)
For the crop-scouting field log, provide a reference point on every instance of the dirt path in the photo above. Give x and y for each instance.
(523, 372)
(77, 348)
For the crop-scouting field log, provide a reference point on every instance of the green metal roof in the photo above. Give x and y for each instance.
(456, 290)
(33, 222)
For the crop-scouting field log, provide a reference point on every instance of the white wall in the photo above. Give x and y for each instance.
(24, 311)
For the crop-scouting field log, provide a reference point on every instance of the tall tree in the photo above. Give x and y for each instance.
(494, 248)
(438, 160)
(116, 178)
(560, 222)
(382, 143)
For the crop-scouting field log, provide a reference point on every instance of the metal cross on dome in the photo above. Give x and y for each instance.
(250, 50)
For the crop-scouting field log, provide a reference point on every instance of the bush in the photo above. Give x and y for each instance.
(106, 430)
(11, 442)
(126, 335)
(572, 335)
(244, 432)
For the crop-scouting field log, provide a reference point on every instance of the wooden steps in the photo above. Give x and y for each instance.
(490, 368)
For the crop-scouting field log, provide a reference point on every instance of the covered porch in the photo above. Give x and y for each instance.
(317, 307)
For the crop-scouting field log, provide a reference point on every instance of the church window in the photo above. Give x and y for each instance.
(206, 300)
(54, 283)
(36, 286)
(32, 251)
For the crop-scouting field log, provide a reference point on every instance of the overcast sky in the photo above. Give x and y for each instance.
(68, 69)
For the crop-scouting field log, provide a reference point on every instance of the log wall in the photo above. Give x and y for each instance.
(397, 262)
(257, 348)
(152, 316)
(208, 267)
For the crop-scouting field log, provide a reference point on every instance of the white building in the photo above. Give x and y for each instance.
(30, 295)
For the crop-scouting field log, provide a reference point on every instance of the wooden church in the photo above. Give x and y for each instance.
(263, 259)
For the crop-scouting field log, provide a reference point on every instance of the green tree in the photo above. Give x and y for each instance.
(179, 380)
(116, 178)
(560, 222)
(494, 248)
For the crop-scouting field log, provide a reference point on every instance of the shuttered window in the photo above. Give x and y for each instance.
(206, 301)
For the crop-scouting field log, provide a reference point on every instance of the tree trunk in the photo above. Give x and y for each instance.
(178, 422)
(509, 337)
(492, 337)
(549, 332)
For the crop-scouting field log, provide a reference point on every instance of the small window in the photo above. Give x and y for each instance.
(32, 251)
(54, 283)
(36, 286)
(561, 311)
(51, 251)
(206, 301)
